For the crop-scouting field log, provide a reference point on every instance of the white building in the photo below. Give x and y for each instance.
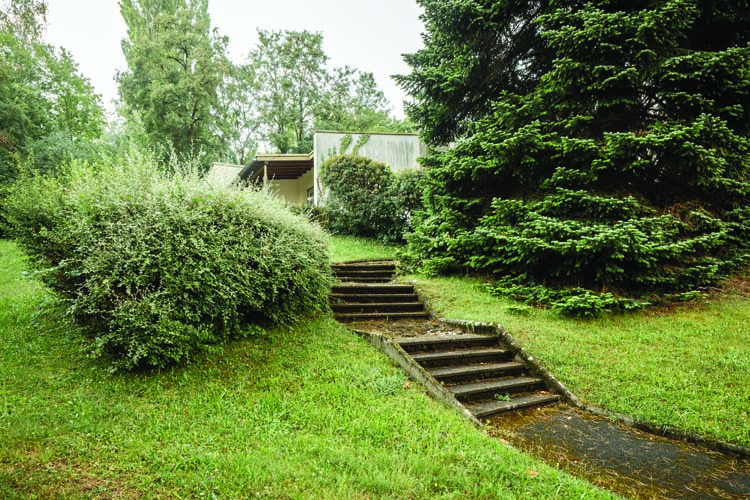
(296, 177)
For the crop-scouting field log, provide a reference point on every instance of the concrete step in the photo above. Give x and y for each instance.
(389, 307)
(487, 390)
(453, 374)
(369, 298)
(365, 266)
(363, 279)
(380, 316)
(371, 289)
(356, 273)
(446, 342)
(489, 408)
(462, 357)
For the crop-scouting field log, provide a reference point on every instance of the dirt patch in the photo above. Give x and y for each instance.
(58, 479)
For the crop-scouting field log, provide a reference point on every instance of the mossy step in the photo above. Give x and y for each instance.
(461, 357)
(446, 342)
(489, 408)
(364, 279)
(487, 390)
(371, 289)
(362, 272)
(388, 307)
(367, 298)
(381, 316)
(375, 266)
(474, 372)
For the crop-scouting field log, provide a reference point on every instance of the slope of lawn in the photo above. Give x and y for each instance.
(346, 248)
(308, 412)
(688, 368)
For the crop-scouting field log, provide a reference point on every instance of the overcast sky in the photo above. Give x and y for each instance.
(365, 34)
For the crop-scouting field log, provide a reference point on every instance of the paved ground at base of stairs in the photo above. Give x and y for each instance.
(614, 456)
(406, 328)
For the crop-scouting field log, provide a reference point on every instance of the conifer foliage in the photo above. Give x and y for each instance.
(598, 146)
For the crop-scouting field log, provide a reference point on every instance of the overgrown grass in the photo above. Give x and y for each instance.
(309, 412)
(346, 248)
(688, 368)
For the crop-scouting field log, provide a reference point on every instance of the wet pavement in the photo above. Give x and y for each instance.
(614, 456)
(622, 459)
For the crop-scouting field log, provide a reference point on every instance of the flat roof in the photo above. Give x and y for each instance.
(360, 132)
(279, 167)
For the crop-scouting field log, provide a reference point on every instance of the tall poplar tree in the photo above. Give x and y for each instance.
(599, 145)
(176, 62)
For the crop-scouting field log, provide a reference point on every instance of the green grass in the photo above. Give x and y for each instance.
(346, 248)
(687, 369)
(306, 412)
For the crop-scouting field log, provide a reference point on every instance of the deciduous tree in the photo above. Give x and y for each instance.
(176, 62)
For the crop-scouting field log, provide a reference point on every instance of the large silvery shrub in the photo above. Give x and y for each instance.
(601, 148)
(157, 267)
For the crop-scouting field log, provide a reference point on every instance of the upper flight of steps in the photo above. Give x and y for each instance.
(480, 372)
(365, 293)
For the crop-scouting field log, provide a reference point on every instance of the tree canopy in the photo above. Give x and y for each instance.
(49, 112)
(599, 145)
(296, 92)
(176, 63)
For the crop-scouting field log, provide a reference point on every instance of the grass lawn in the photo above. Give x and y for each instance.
(307, 412)
(687, 369)
(346, 248)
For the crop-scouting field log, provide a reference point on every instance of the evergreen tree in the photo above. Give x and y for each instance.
(608, 151)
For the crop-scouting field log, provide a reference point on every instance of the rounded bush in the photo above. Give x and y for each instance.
(365, 198)
(156, 267)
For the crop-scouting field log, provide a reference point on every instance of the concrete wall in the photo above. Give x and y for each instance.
(398, 151)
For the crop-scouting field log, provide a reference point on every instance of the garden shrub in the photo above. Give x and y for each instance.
(365, 198)
(158, 267)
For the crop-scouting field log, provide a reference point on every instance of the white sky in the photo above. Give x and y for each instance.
(366, 34)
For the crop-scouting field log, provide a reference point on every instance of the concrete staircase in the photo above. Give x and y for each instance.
(365, 293)
(480, 372)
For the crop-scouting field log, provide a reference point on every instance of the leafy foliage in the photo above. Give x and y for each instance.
(296, 92)
(155, 267)
(49, 112)
(616, 158)
(365, 198)
(175, 65)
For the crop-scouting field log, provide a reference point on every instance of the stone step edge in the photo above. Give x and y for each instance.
(493, 407)
(342, 307)
(448, 372)
(365, 298)
(381, 316)
(459, 354)
(471, 389)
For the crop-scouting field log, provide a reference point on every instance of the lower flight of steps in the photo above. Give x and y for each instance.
(480, 372)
